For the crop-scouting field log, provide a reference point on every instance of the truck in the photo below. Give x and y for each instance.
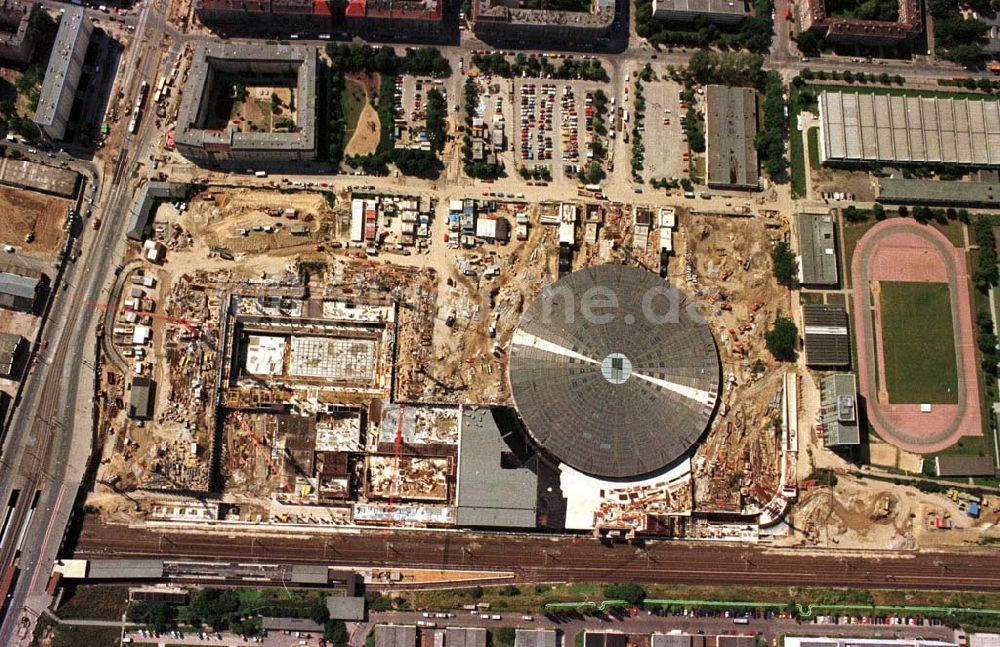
(261, 173)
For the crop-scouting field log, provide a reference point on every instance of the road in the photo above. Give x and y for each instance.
(49, 441)
(558, 558)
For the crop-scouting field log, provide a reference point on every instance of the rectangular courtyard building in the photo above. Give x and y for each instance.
(860, 127)
(716, 12)
(55, 101)
(207, 132)
(730, 136)
(838, 413)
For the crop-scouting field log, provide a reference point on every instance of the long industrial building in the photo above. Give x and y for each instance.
(857, 127)
(55, 102)
(730, 137)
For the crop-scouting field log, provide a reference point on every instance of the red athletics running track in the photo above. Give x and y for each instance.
(904, 250)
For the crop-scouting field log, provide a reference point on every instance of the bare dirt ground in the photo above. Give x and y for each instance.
(859, 183)
(365, 136)
(23, 212)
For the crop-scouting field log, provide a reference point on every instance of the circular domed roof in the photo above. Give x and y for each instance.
(613, 372)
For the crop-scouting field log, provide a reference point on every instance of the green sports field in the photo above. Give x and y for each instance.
(918, 343)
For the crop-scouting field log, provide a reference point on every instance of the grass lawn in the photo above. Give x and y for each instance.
(813, 135)
(810, 298)
(50, 634)
(93, 602)
(952, 230)
(796, 156)
(836, 299)
(918, 343)
(352, 101)
(853, 231)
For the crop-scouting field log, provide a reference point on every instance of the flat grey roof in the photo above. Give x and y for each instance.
(25, 174)
(827, 339)
(140, 400)
(344, 607)
(952, 193)
(866, 127)
(536, 638)
(489, 493)
(839, 409)
(19, 282)
(274, 623)
(671, 640)
(465, 637)
(72, 39)
(310, 574)
(965, 466)
(817, 249)
(125, 569)
(730, 136)
(395, 636)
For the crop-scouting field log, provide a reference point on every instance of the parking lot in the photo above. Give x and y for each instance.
(550, 127)
(663, 134)
(411, 107)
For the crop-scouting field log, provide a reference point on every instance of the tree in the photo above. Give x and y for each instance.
(784, 265)
(275, 102)
(781, 339)
(631, 593)
(335, 633)
(809, 42)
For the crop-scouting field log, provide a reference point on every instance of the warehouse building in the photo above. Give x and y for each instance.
(817, 250)
(15, 45)
(536, 638)
(230, 145)
(868, 33)
(716, 12)
(730, 137)
(465, 637)
(141, 398)
(938, 192)
(502, 20)
(55, 101)
(838, 413)
(395, 636)
(496, 488)
(20, 288)
(858, 127)
(827, 342)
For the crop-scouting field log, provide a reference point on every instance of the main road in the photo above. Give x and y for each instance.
(49, 441)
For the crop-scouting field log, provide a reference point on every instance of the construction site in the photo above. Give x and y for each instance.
(337, 368)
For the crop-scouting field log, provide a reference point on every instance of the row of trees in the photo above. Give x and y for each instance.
(499, 64)
(771, 137)
(364, 59)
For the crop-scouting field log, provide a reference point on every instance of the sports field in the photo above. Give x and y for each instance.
(918, 343)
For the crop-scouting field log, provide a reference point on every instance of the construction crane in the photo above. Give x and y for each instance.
(256, 441)
(397, 453)
(194, 327)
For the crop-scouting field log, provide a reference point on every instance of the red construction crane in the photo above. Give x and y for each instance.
(256, 441)
(397, 452)
(194, 327)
